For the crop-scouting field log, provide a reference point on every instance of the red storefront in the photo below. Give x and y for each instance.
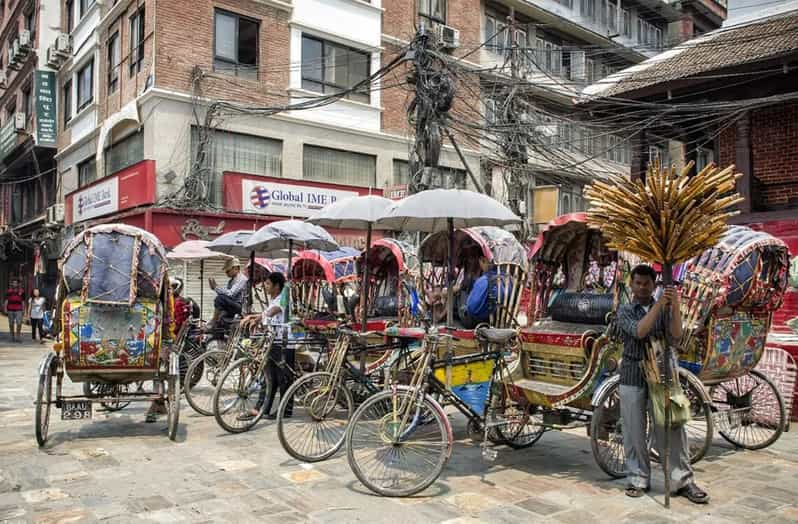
(250, 201)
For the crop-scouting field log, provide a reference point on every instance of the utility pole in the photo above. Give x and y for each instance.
(427, 112)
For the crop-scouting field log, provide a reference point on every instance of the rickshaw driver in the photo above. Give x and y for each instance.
(229, 300)
(637, 321)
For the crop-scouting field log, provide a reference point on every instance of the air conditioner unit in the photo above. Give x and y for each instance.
(24, 40)
(53, 58)
(12, 57)
(20, 119)
(55, 213)
(63, 45)
(448, 36)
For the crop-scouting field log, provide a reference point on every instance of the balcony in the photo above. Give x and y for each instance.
(716, 9)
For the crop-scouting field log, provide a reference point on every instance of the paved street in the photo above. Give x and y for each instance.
(119, 469)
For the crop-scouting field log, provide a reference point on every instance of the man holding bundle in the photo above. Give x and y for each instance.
(643, 318)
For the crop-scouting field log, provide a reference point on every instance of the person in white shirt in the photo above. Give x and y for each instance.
(36, 306)
(279, 374)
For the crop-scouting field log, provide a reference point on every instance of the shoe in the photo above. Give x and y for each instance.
(271, 416)
(693, 493)
(151, 417)
(635, 492)
(243, 417)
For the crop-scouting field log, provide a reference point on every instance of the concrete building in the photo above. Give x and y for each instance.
(29, 236)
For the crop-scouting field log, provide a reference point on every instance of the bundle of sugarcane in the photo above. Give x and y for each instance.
(670, 217)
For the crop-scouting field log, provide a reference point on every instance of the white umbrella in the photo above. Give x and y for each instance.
(196, 251)
(446, 210)
(232, 243)
(278, 236)
(360, 212)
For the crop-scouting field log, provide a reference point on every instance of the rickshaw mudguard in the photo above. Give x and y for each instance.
(46, 362)
(606, 386)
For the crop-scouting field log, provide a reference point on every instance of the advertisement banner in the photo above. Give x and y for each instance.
(46, 123)
(97, 200)
(291, 200)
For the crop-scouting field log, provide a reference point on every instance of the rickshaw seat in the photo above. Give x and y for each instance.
(495, 335)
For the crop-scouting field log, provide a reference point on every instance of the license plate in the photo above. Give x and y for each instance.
(76, 410)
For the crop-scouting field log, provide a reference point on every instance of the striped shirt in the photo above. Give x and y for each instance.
(235, 288)
(634, 348)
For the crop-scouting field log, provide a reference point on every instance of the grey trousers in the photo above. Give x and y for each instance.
(634, 404)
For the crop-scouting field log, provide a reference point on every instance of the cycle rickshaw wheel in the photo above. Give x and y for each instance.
(44, 396)
(237, 394)
(322, 408)
(205, 372)
(606, 436)
(749, 410)
(398, 465)
(173, 405)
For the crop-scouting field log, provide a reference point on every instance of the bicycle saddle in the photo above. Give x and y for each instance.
(495, 335)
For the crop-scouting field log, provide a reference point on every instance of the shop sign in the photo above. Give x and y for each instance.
(271, 198)
(192, 229)
(396, 192)
(97, 200)
(8, 138)
(46, 116)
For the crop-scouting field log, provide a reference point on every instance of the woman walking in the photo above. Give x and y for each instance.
(36, 307)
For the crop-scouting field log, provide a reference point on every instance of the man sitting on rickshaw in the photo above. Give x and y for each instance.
(229, 300)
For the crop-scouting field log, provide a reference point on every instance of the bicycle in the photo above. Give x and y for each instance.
(323, 402)
(399, 440)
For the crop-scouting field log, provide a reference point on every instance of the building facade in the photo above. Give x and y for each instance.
(29, 217)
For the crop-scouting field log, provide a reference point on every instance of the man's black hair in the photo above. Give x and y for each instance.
(644, 270)
(277, 279)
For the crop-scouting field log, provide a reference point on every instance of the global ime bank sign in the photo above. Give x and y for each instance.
(267, 196)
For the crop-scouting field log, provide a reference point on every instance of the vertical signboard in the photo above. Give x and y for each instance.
(46, 115)
(8, 138)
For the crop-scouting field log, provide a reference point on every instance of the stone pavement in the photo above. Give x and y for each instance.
(117, 468)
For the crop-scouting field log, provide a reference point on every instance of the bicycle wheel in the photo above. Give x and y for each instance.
(320, 411)
(750, 411)
(519, 428)
(392, 459)
(237, 404)
(606, 434)
(43, 400)
(207, 370)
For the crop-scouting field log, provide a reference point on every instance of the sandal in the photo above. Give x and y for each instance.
(694, 494)
(634, 492)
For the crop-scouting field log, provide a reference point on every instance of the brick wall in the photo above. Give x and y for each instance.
(774, 144)
(185, 37)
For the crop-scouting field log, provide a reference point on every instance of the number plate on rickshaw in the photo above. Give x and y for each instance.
(76, 410)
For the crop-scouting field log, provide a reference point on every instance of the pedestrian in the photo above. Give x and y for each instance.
(182, 306)
(229, 300)
(13, 305)
(36, 306)
(282, 356)
(638, 321)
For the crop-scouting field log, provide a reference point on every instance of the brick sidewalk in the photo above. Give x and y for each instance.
(118, 468)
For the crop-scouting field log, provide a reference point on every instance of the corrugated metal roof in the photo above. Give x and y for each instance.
(721, 49)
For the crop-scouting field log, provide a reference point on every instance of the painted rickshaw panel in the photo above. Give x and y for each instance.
(113, 320)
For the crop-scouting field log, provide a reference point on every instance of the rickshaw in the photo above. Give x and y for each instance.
(323, 282)
(114, 314)
(393, 268)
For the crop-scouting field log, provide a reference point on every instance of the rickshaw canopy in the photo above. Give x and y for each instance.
(114, 264)
(333, 266)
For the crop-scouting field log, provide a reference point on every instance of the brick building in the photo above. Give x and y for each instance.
(29, 237)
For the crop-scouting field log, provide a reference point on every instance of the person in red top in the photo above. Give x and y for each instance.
(182, 306)
(14, 305)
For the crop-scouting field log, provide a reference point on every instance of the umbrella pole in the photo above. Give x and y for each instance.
(251, 279)
(449, 275)
(202, 286)
(287, 312)
(364, 288)
(667, 280)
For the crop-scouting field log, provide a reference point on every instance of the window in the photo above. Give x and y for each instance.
(496, 34)
(332, 68)
(11, 110)
(87, 171)
(70, 12)
(85, 5)
(113, 62)
(339, 167)
(67, 101)
(433, 9)
(703, 157)
(627, 23)
(235, 45)
(125, 153)
(27, 105)
(228, 151)
(136, 41)
(30, 25)
(446, 178)
(86, 85)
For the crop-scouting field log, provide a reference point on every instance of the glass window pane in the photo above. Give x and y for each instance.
(247, 42)
(358, 67)
(311, 59)
(340, 167)
(225, 34)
